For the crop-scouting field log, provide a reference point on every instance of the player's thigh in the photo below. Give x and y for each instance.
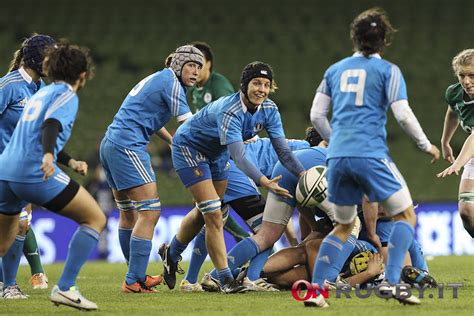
(125, 168)
(83, 209)
(343, 189)
(9, 229)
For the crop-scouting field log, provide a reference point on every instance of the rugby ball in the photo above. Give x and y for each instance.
(312, 187)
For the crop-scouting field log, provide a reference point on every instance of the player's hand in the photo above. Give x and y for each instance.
(273, 186)
(449, 171)
(434, 152)
(447, 153)
(374, 239)
(375, 265)
(252, 140)
(80, 167)
(47, 166)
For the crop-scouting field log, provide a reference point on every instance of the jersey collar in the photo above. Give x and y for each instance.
(25, 75)
(359, 54)
(64, 83)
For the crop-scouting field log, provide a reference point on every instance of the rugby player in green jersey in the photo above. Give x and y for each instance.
(210, 85)
(460, 99)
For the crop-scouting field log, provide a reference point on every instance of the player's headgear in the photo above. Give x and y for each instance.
(312, 136)
(183, 55)
(359, 262)
(34, 49)
(256, 69)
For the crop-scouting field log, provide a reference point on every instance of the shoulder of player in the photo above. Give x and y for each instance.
(11, 79)
(269, 105)
(454, 93)
(217, 77)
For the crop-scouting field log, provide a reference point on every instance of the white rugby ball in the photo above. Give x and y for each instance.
(312, 187)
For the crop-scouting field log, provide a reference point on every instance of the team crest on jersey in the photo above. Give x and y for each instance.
(23, 102)
(207, 97)
(200, 157)
(197, 172)
(258, 127)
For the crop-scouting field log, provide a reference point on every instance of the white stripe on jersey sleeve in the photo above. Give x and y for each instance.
(60, 101)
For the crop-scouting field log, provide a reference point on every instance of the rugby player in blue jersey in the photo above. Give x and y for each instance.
(29, 172)
(126, 162)
(16, 88)
(243, 195)
(361, 88)
(202, 147)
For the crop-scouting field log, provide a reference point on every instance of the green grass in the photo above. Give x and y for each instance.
(100, 282)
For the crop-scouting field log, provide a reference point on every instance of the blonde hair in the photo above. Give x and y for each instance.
(463, 59)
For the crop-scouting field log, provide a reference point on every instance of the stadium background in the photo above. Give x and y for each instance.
(300, 39)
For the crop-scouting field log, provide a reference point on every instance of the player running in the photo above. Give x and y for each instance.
(201, 150)
(361, 88)
(16, 88)
(144, 112)
(460, 99)
(29, 172)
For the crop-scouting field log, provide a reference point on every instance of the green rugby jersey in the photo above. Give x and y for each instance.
(461, 103)
(216, 86)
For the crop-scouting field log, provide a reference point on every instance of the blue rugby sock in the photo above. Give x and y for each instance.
(224, 274)
(124, 239)
(331, 257)
(11, 261)
(398, 244)
(139, 255)
(240, 254)
(80, 247)
(257, 263)
(198, 256)
(176, 249)
(416, 255)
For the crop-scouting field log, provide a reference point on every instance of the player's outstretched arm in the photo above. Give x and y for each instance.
(408, 121)
(467, 152)
(319, 115)
(450, 125)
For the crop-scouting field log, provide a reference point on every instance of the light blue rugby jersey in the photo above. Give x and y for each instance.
(147, 108)
(22, 158)
(264, 157)
(16, 88)
(361, 90)
(310, 157)
(226, 121)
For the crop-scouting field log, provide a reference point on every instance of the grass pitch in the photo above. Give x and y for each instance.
(100, 282)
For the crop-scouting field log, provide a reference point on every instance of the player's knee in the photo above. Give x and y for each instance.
(345, 215)
(99, 221)
(408, 215)
(213, 221)
(23, 227)
(125, 205)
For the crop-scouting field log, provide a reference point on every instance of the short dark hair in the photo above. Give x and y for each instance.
(371, 31)
(206, 50)
(66, 62)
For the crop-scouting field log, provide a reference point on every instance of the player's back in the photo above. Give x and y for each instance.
(21, 159)
(146, 109)
(16, 88)
(361, 89)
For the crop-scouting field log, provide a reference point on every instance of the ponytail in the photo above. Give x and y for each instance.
(17, 59)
